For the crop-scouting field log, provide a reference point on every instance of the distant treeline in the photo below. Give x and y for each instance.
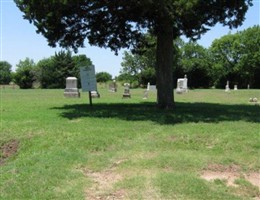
(233, 57)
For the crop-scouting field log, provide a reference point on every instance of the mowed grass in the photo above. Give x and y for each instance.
(127, 148)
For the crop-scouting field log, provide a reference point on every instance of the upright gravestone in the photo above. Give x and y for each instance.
(151, 88)
(182, 85)
(148, 86)
(227, 89)
(127, 90)
(235, 87)
(146, 91)
(113, 86)
(71, 89)
(185, 83)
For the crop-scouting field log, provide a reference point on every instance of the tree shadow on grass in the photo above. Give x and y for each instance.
(183, 112)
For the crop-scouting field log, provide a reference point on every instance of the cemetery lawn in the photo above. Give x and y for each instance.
(53, 147)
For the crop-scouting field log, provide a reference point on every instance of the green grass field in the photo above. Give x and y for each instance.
(53, 147)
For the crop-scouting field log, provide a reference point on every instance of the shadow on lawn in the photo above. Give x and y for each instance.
(183, 112)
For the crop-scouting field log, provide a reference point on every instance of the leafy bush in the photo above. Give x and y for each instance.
(24, 76)
(5, 72)
(103, 77)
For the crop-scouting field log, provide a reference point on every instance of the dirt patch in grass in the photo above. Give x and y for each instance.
(7, 150)
(229, 174)
(103, 182)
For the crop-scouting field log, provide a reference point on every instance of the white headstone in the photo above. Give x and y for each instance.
(71, 89)
(227, 89)
(235, 87)
(182, 85)
(148, 86)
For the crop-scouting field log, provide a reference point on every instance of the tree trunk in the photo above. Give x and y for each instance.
(164, 65)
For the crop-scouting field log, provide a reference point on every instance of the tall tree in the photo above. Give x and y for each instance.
(195, 62)
(120, 23)
(139, 64)
(225, 58)
(236, 57)
(249, 51)
(5, 72)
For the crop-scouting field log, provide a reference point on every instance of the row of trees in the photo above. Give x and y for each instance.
(49, 72)
(233, 57)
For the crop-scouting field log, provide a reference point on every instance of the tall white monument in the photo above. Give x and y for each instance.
(227, 89)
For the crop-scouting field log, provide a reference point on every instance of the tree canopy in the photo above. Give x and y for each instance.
(236, 57)
(119, 23)
(233, 57)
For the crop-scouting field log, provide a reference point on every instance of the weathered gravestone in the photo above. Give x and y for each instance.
(227, 89)
(71, 89)
(113, 86)
(127, 91)
(182, 85)
(235, 87)
(151, 88)
(145, 94)
(146, 91)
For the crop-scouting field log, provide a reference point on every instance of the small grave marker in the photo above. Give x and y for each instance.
(113, 86)
(127, 91)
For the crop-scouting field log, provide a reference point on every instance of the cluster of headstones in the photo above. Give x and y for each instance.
(227, 89)
(72, 90)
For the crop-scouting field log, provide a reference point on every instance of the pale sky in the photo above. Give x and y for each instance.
(19, 40)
